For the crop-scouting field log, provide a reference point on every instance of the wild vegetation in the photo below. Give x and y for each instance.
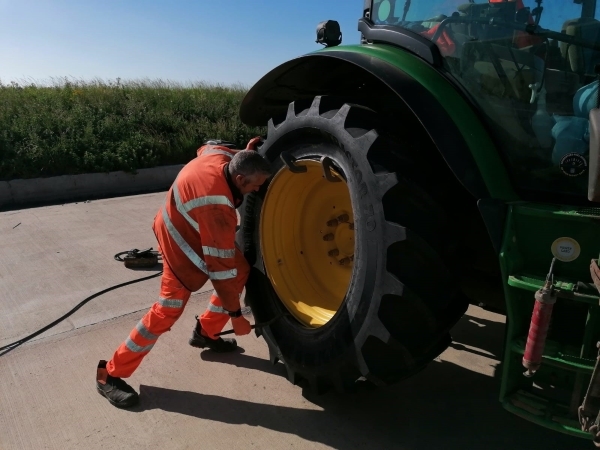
(72, 127)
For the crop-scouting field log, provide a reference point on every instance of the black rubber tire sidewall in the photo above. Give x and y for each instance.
(323, 347)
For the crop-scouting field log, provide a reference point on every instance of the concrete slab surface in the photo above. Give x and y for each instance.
(197, 399)
(53, 257)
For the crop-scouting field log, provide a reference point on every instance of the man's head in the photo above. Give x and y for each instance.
(249, 170)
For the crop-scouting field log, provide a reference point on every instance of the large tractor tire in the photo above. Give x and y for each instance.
(350, 258)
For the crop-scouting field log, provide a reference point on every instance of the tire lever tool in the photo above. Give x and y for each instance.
(256, 325)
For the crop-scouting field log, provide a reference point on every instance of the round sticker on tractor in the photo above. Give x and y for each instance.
(573, 164)
(566, 249)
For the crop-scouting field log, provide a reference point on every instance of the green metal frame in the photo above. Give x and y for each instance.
(551, 397)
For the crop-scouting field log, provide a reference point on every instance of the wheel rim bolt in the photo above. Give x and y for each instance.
(343, 218)
(328, 237)
(333, 253)
(332, 223)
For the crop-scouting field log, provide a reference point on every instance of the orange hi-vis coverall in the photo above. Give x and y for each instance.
(521, 39)
(195, 230)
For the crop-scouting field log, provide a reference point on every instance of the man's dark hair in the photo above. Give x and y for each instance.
(248, 163)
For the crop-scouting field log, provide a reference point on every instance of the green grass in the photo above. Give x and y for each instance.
(72, 127)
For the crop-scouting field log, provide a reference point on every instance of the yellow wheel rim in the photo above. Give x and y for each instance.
(307, 242)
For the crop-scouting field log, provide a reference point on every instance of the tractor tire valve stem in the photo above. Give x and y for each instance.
(344, 261)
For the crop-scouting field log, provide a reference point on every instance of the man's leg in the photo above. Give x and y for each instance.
(214, 319)
(126, 359)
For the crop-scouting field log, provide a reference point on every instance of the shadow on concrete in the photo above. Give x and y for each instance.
(239, 359)
(444, 407)
(487, 336)
(156, 268)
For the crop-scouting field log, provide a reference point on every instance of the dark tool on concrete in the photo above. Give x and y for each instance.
(138, 258)
(256, 325)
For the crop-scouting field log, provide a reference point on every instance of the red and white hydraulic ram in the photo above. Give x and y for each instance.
(545, 298)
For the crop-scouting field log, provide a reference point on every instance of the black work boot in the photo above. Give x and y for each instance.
(216, 345)
(118, 393)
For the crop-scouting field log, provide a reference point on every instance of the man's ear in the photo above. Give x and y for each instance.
(240, 179)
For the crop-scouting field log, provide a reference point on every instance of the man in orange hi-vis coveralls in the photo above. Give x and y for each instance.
(195, 230)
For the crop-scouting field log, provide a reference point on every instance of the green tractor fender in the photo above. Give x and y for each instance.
(390, 77)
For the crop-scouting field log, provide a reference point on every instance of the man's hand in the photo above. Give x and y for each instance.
(253, 143)
(241, 326)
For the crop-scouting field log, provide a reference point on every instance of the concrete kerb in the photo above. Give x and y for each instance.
(5, 194)
(66, 188)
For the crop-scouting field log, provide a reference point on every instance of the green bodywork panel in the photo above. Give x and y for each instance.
(482, 147)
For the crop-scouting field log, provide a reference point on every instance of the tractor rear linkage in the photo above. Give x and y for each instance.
(589, 411)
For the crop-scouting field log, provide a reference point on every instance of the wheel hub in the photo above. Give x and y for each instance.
(307, 242)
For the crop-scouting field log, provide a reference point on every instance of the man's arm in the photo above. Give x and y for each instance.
(217, 234)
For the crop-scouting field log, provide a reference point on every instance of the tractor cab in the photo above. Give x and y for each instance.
(529, 66)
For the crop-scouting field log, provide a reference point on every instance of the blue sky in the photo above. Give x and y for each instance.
(218, 41)
(235, 41)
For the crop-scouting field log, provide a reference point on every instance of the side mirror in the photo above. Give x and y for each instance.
(329, 33)
(522, 15)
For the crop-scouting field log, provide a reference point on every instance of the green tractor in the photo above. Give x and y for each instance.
(449, 158)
